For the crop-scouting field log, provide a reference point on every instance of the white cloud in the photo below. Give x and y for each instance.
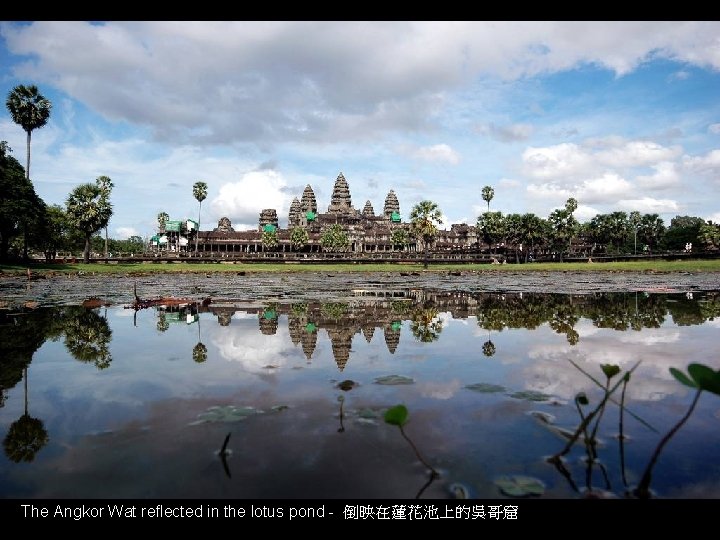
(548, 192)
(636, 153)
(508, 133)
(585, 212)
(715, 218)
(439, 390)
(243, 200)
(714, 128)
(223, 82)
(709, 163)
(252, 349)
(570, 161)
(665, 176)
(606, 188)
(123, 233)
(437, 153)
(553, 162)
(648, 205)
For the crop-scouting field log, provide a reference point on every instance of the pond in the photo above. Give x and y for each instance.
(114, 402)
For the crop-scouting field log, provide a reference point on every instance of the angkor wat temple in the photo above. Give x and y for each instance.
(367, 231)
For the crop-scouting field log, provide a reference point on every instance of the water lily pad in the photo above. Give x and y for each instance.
(227, 413)
(397, 415)
(368, 413)
(485, 388)
(530, 395)
(520, 486)
(394, 380)
(278, 408)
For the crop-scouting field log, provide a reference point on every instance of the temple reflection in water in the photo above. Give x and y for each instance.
(369, 310)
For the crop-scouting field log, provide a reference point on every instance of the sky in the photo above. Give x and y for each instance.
(619, 115)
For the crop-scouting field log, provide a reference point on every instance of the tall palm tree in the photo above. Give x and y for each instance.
(105, 185)
(30, 110)
(487, 195)
(200, 194)
(162, 218)
(424, 218)
(88, 211)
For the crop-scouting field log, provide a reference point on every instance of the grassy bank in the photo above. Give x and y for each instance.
(184, 267)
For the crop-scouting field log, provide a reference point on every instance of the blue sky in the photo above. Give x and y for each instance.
(619, 115)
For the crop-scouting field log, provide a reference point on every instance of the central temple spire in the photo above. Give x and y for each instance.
(340, 203)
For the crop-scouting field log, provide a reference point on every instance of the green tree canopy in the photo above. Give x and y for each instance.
(299, 238)
(269, 240)
(88, 211)
(335, 239)
(424, 220)
(20, 206)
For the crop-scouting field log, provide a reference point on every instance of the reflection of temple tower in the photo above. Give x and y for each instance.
(268, 322)
(368, 331)
(341, 340)
(295, 328)
(392, 336)
(224, 317)
(309, 340)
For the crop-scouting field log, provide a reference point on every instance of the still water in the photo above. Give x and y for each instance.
(112, 402)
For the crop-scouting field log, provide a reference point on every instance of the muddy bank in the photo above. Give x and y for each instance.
(328, 286)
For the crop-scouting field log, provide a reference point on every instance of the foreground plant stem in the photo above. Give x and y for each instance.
(643, 489)
(434, 473)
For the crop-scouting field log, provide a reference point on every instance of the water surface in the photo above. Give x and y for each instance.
(111, 402)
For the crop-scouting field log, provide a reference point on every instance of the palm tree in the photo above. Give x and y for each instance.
(200, 194)
(487, 195)
(423, 218)
(89, 211)
(106, 185)
(30, 110)
(635, 218)
(162, 218)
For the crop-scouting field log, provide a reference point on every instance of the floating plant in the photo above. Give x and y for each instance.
(393, 380)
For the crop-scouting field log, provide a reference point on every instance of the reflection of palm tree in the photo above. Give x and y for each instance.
(162, 323)
(26, 435)
(87, 338)
(425, 324)
(200, 350)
